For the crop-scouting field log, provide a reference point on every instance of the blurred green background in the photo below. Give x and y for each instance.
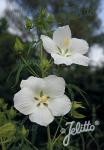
(86, 20)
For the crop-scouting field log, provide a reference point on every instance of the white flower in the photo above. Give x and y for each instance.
(42, 99)
(64, 49)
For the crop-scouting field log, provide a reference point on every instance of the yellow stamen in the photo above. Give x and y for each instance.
(44, 99)
(66, 42)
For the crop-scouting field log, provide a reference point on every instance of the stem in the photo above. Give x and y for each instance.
(29, 68)
(34, 147)
(3, 145)
(60, 70)
(33, 42)
(41, 57)
(49, 144)
(57, 129)
(83, 142)
(57, 139)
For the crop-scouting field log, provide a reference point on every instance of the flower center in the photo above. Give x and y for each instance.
(65, 50)
(42, 99)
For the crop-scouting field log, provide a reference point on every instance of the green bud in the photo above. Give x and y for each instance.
(28, 24)
(50, 18)
(24, 132)
(12, 113)
(19, 47)
(7, 130)
(45, 64)
(43, 12)
(3, 118)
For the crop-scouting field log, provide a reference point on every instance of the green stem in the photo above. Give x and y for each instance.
(33, 42)
(83, 142)
(29, 68)
(41, 57)
(57, 139)
(34, 147)
(49, 144)
(57, 129)
(3, 145)
(59, 70)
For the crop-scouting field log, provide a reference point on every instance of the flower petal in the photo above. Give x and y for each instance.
(48, 44)
(41, 116)
(80, 60)
(55, 86)
(74, 59)
(24, 101)
(58, 59)
(79, 46)
(60, 106)
(34, 83)
(61, 35)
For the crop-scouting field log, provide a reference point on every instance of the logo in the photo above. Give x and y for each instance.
(76, 128)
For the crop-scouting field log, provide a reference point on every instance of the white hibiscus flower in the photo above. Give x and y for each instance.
(42, 99)
(64, 49)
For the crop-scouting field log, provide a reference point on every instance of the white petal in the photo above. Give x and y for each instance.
(48, 44)
(74, 59)
(80, 60)
(79, 46)
(58, 59)
(60, 106)
(34, 83)
(55, 86)
(24, 101)
(41, 116)
(61, 34)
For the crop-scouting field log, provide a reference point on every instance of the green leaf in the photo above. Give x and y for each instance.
(77, 115)
(80, 91)
(76, 105)
(19, 70)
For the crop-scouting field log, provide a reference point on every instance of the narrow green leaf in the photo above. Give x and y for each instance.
(77, 115)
